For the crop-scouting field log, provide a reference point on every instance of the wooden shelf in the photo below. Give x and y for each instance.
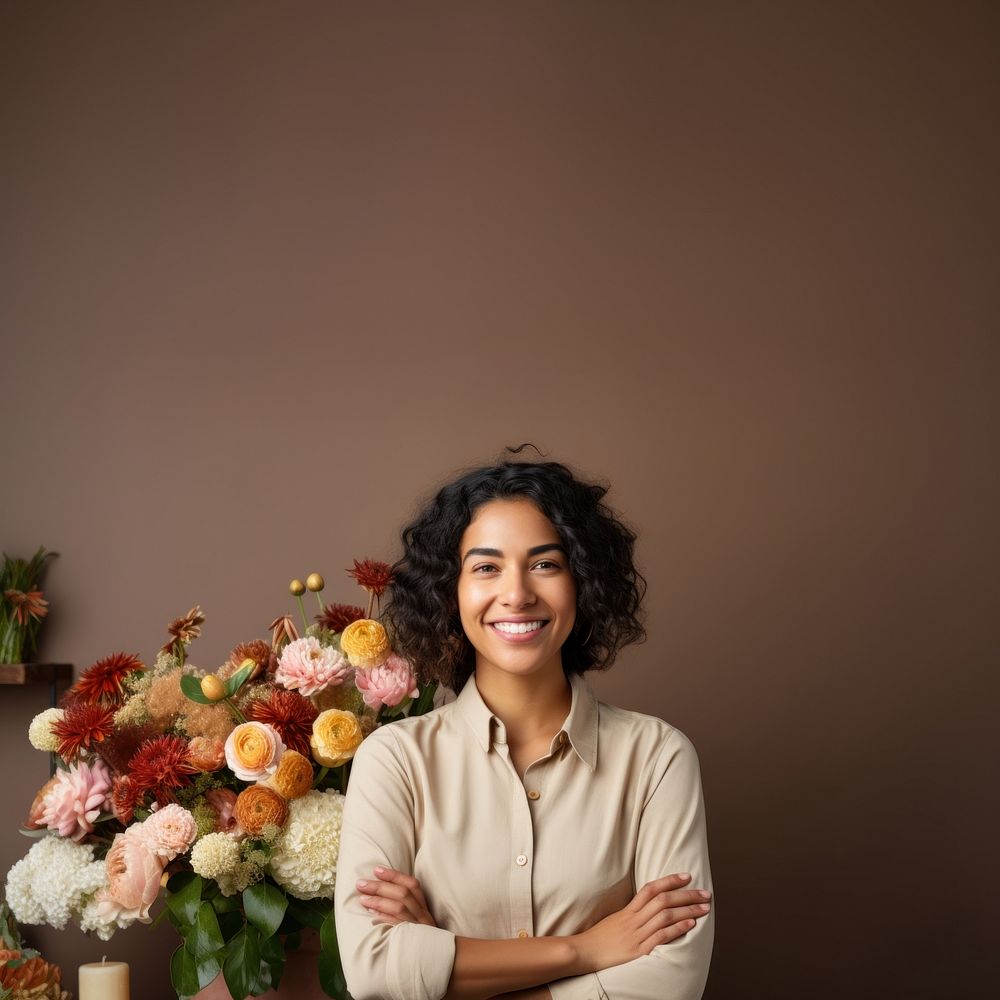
(36, 673)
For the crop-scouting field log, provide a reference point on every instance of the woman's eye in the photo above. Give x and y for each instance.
(547, 564)
(486, 568)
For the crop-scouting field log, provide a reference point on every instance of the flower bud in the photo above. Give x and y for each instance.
(315, 582)
(212, 688)
(296, 587)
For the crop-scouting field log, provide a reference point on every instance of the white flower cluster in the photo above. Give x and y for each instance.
(215, 855)
(40, 734)
(54, 882)
(304, 859)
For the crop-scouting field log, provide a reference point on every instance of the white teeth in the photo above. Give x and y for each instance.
(515, 628)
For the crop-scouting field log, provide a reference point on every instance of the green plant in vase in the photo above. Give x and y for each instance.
(22, 606)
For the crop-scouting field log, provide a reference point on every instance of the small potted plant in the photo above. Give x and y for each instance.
(22, 606)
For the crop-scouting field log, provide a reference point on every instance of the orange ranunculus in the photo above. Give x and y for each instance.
(365, 643)
(259, 806)
(294, 776)
(336, 736)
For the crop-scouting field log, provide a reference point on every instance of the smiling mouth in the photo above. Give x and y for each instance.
(518, 628)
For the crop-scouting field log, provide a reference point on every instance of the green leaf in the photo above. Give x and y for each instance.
(331, 972)
(191, 686)
(264, 905)
(184, 905)
(184, 973)
(206, 937)
(309, 912)
(425, 701)
(272, 955)
(234, 683)
(209, 968)
(225, 904)
(231, 923)
(241, 966)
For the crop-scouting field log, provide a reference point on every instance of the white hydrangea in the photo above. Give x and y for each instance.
(216, 855)
(40, 734)
(54, 881)
(93, 919)
(304, 859)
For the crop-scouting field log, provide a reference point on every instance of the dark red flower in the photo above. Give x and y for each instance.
(184, 629)
(290, 714)
(373, 575)
(104, 682)
(160, 766)
(82, 727)
(125, 796)
(336, 617)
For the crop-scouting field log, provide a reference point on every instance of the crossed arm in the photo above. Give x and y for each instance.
(519, 969)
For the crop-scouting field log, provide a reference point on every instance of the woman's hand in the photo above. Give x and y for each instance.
(395, 898)
(660, 911)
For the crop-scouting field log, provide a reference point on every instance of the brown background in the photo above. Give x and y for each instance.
(272, 271)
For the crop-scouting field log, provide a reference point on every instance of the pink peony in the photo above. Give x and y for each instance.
(307, 667)
(75, 800)
(223, 801)
(134, 873)
(169, 831)
(387, 684)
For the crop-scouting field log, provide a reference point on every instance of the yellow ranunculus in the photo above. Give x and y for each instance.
(294, 775)
(335, 737)
(365, 643)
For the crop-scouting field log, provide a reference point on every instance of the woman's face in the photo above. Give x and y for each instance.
(516, 595)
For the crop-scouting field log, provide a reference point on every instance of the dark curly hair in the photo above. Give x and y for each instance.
(422, 611)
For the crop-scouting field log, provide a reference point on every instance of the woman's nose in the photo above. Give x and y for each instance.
(517, 593)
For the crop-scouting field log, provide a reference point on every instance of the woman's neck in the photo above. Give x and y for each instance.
(532, 707)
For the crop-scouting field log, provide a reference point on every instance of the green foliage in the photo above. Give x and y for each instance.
(18, 641)
(244, 937)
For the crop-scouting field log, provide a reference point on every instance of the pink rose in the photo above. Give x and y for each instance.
(169, 831)
(134, 873)
(387, 684)
(223, 801)
(207, 753)
(76, 798)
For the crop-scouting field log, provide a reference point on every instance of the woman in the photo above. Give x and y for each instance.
(523, 840)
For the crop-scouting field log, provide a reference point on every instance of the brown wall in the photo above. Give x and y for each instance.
(271, 271)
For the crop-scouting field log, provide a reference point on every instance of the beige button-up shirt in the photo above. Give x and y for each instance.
(615, 803)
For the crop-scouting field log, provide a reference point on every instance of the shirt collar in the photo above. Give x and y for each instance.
(580, 726)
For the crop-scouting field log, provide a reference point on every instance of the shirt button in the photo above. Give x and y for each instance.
(522, 859)
(534, 795)
(522, 933)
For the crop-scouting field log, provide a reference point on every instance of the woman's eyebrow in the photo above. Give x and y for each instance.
(548, 547)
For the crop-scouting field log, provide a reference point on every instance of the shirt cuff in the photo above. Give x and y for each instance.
(421, 959)
(586, 987)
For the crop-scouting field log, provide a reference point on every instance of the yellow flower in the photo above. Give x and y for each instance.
(293, 777)
(365, 643)
(336, 736)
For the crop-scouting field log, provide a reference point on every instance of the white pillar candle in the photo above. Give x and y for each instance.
(104, 980)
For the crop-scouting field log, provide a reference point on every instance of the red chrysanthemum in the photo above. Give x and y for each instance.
(125, 796)
(81, 727)
(104, 682)
(336, 617)
(373, 575)
(161, 765)
(290, 714)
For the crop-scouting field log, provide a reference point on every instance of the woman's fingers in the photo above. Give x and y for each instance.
(675, 901)
(654, 888)
(665, 934)
(395, 896)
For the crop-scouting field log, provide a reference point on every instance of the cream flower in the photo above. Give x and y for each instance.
(40, 731)
(215, 855)
(304, 857)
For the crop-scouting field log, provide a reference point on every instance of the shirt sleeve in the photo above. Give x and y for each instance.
(671, 838)
(381, 962)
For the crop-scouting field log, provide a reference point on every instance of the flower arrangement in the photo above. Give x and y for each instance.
(224, 790)
(22, 606)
